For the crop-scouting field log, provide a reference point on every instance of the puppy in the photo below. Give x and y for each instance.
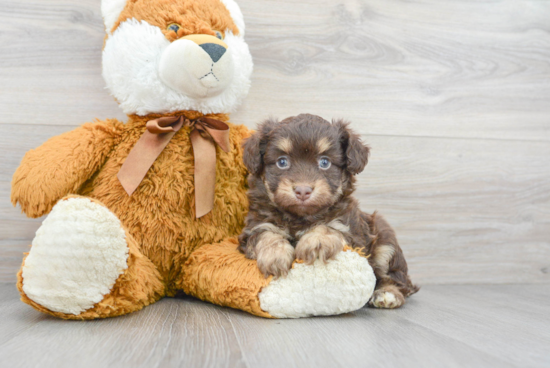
(301, 205)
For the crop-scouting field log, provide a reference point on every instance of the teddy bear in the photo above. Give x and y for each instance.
(142, 210)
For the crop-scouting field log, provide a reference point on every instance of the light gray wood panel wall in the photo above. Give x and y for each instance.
(453, 97)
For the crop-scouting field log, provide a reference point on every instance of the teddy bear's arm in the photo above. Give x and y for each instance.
(61, 165)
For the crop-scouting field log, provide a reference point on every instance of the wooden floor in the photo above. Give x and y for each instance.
(442, 326)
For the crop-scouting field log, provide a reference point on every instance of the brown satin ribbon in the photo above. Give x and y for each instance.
(157, 136)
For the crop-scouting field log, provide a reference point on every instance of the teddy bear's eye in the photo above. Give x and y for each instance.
(219, 35)
(283, 163)
(174, 27)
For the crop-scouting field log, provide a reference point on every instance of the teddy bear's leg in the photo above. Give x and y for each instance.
(83, 265)
(220, 274)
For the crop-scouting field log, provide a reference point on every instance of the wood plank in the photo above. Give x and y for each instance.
(426, 67)
(60, 81)
(172, 333)
(365, 338)
(11, 256)
(396, 337)
(465, 211)
(16, 318)
(492, 327)
(16, 139)
(491, 317)
(451, 326)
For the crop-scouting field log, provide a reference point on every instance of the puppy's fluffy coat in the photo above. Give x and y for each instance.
(301, 204)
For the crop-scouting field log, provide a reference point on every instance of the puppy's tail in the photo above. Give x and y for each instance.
(411, 288)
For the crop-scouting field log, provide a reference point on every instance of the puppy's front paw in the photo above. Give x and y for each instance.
(274, 254)
(388, 298)
(321, 242)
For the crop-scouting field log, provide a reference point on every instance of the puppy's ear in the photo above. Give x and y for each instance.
(254, 146)
(357, 153)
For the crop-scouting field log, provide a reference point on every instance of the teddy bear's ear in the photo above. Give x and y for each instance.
(254, 147)
(110, 10)
(236, 14)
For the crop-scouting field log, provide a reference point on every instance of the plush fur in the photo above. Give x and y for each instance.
(101, 253)
(133, 66)
(111, 11)
(342, 285)
(166, 236)
(158, 220)
(300, 196)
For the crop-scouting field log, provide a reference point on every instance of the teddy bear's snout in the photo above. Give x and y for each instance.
(198, 66)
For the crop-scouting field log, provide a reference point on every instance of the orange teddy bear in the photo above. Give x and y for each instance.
(141, 210)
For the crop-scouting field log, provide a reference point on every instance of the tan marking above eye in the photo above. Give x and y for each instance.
(285, 145)
(323, 145)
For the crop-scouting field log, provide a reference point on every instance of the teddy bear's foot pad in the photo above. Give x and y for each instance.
(343, 285)
(76, 257)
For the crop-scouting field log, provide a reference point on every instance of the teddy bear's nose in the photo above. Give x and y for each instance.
(214, 50)
(302, 192)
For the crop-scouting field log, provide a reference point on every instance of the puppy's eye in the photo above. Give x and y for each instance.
(174, 27)
(219, 35)
(283, 163)
(324, 163)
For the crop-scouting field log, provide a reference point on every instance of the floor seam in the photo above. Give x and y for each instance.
(245, 359)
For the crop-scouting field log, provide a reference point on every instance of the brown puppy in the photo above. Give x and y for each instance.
(301, 204)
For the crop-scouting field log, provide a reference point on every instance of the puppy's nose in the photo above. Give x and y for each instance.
(303, 193)
(214, 50)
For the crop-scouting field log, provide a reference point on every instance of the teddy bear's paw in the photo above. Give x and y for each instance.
(76, 257)
(342, 285)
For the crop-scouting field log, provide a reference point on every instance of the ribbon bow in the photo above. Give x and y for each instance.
(157, 136)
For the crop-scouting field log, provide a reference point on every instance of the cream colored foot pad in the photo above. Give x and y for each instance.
(77, 255)
(342, 285)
